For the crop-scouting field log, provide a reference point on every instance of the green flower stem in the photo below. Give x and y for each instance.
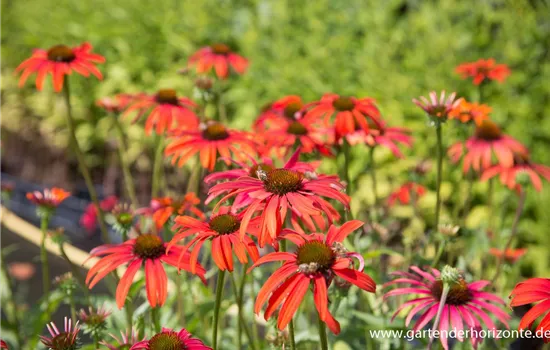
(217, 308)
(446, 288)
(241, 325)
(439, 173)
(490, 204)
(82, 162)
(439, 252)
(157, 166)
(10, 310)
(126, 173)
(180, 299)
(282, 246)
(72, 305)
(155, 318)
(347, 161)
(519, 211)
(44, 222)
(323, 334)
(222, 111)
(373, 175)
(194, 182)
(75, 271)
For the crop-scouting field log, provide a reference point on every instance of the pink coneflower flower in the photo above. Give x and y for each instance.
(488, 139)
(317, 261)
(483, 69)
(88, 220)
(170, 339)
(60, 60)
(349, 112)
(531, 291)
(116, 103)
(3, 344)
(166, 110)
(438, 109)
(466, 303)
(522, 165)
(125, 341)
(65, 340)
(211, 140)
(49, 198)
(381, 135)
(289, 107)
(146, 250)
(403, 193)
(510, 255)
(220, 57)
(277, 191)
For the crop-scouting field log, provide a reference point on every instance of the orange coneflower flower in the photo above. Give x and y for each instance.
(116, 103)
(210, 140)
(161, 209)
(531, 291)
(510, 255)
(167, 110)
(521, 165)
(146, 250)
(483, 69)
(60, 60)
(223, 230)
(437, 108)
(289, 108)
(467, 111)
(383, 136)
(403, 193)
(488, 139)
(349, 111)
(317, 260)
(276, 191)
(220, 57)
(48, 198)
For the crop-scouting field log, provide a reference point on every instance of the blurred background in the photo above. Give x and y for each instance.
(391, 50)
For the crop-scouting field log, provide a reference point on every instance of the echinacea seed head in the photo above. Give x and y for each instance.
(343, 104)
(61, 53)
(459, 293)
(64, 341)
(296, 128)
(314, 256)
(166, 341)
(220, 49)
(264, 168)
(224, 224)
(488, 130)
(292, 108)
(282, 181)
(149, 246)
(167, 96)
(215, 132)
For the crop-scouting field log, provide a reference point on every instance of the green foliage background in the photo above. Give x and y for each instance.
(391, 50)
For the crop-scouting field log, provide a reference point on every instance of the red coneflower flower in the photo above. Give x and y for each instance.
(60, 60)
(48, 198)
(466, 303)
(510, 255)
(521, 165)
(437, 108)
(349, 111)
(280, 190)
(167, 110)
(88, 220)
(210, 140)
(223, 230)
(288, 107)
(488, 139)
(483, 69)
(383, 136)
(148, 250)
(116, 103)
(531, 291)
(125, 341)
(66, 340)
(468, 111)
(161, 209)
(317, 260)
(220, 57)
(403, 193)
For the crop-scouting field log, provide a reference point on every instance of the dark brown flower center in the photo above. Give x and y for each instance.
(459, 293)
(224, 224)
(215, 131)
(317, 253)
(166, 341)
(253, 172)
(521, 158)
(283, 181)
(220, 49)
(292, 108)
(64, 341)
(296, 128)
(61, 53)
(94, 320)
(488, 130)
(149, 246)
(343, 104)
(167, 96)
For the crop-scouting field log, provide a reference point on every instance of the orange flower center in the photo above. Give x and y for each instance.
(488, 130)
(343, 104)
(459, 293)
(292, 108)
(259, 167)
(166, 341)
(297, 128)
(63, 341)
(215, 131)
(283, 181)
(61, 53)
(149, 246)
(167, 96)
(224, 224)
(315, 254)
(220, 49)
